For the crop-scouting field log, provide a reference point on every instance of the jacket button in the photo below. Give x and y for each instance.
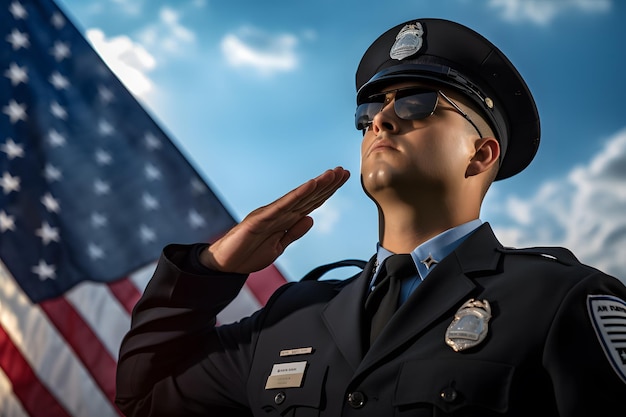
(448, 394)
(279, 398)
(356, 399)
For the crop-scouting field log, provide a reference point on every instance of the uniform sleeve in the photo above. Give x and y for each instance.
(173, 361)
(585, 352)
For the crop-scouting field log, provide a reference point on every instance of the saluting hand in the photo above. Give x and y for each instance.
(263, 235)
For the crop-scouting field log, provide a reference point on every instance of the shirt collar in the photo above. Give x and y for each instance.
(428, 254)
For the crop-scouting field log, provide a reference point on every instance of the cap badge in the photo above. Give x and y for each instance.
(408, 41)
(469, 326)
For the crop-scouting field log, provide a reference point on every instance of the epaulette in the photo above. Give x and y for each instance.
(555, 253)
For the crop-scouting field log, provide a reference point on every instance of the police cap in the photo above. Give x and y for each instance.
(449, 54)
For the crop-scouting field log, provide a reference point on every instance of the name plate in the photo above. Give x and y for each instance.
(299, 351)
(286, 375)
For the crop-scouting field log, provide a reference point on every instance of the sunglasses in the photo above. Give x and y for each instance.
(409, 103)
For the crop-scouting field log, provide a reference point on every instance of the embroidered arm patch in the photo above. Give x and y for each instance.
(608, 315)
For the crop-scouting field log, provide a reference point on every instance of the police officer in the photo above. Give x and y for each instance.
(443, 320)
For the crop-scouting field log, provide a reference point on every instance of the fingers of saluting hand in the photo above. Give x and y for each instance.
(306, 198)
(277, 219)
(312, 194)
(264, 234)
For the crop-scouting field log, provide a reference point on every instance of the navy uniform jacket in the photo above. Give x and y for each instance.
(542, 355)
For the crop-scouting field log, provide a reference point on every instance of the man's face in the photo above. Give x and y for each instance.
(416, 158)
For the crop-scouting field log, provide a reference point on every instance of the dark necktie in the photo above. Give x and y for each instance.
(382, 302)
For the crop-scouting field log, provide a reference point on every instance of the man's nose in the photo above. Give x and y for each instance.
(385, 119)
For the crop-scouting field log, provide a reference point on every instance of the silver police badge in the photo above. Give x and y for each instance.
(408, 41)
(469, 326)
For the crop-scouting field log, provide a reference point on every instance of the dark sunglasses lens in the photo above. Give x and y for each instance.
(409, 104)
(365, 113)
(415, 105)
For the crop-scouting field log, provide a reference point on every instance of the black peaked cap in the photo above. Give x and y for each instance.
(447, 53)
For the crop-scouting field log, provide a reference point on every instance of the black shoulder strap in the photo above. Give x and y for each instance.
(316, 273)
(559, 254)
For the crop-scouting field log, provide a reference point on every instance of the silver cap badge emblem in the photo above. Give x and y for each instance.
(408, 41)
(469, 326)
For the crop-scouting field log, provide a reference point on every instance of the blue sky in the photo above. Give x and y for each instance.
(260, 97)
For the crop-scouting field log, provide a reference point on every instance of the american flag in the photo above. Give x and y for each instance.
(91, 189)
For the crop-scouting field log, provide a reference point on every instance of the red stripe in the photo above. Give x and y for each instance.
(36, 400)
(85, 343)
(126, 293)
(264, 282)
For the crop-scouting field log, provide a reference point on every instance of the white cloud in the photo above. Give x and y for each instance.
(544, 11)
(252, 48)
(168, 34)
(170, 19)
(585, 211)
(326, 217)
(128, 60)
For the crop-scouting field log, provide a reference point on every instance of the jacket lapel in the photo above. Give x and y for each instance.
(340, 313)
(445, 288)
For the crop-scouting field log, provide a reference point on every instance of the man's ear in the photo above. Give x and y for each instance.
(487, 154)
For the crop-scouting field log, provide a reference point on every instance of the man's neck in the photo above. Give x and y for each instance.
(402, 228)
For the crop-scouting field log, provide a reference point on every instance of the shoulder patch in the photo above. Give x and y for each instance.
(608, 316)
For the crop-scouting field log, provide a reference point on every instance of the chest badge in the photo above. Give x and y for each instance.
(469, 326)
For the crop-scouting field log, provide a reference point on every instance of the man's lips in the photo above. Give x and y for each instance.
(381, 145)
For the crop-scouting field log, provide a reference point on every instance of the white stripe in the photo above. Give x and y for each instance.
(10, 406)
(242, 306)
(141, 277)
(102, 311)
(44, 349)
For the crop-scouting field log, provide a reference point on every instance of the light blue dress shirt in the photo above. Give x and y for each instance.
(435, 249)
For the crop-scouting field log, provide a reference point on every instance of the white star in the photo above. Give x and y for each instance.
(152, 142)
(95, 252)
(152, 172)
(9, 183)
(15, 111)
(103, 157)
(57, 20)
(106, 96)
(100, 187)
(105, 128)
(58, 111)
(16, 74)
(18, 39)
(58, 81)
(98, 220)
(44, 271)
(149, 202)
(47, 233)
(60, 51)
(196, 220)
(12, 149)
(146, 234)
(197, 186)
(17, 10)
(6, 222)
(55, 139)
(52, 173)
(50, 203)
